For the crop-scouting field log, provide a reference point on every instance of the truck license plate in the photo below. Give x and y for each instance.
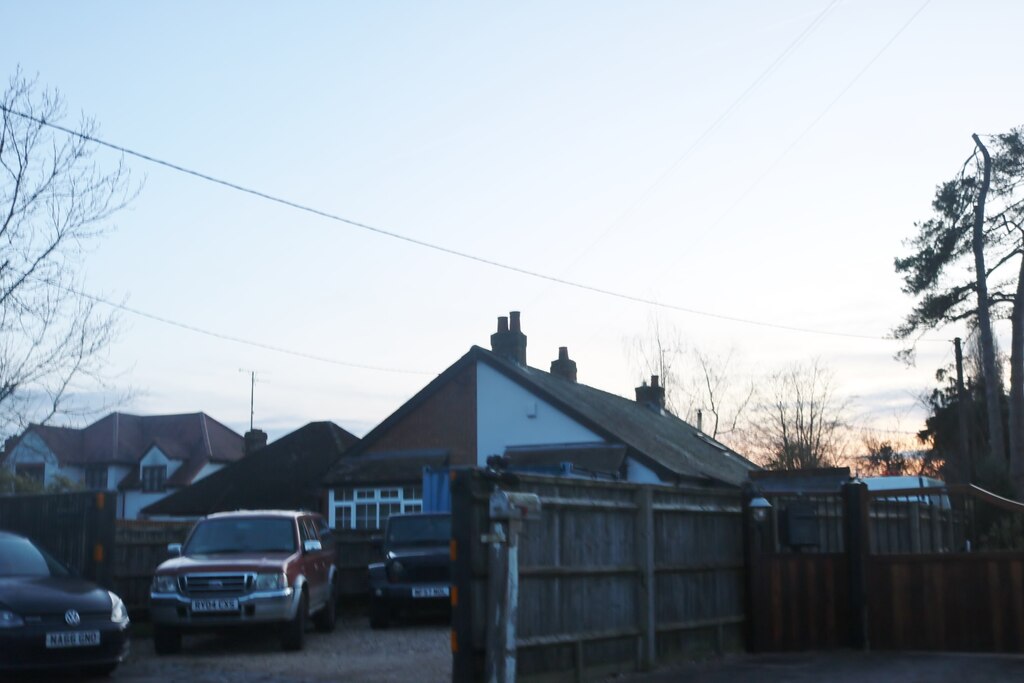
(72, 639)
(430, 592)
(215, 605)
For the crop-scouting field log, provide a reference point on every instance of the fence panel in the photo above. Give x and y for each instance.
(613, 578)
(141, 546)
(76, 528)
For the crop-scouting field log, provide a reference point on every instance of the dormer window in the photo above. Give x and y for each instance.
(154, 478)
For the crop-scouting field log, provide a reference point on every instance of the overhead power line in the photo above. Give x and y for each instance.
(411, 240)
(237, 340)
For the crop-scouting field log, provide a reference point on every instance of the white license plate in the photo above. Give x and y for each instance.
(215, 605)
(430, 592)
(72, 639)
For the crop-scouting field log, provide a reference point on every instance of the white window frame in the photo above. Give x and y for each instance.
(348, 499)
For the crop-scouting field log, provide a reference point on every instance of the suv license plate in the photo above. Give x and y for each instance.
(72, 639)
(215, 605)
(430, 592)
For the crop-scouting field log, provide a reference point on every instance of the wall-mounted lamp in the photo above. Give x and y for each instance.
(759, 508)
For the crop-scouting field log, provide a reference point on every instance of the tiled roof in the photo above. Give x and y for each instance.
(285, 475)
(123, 439)
(658, 439)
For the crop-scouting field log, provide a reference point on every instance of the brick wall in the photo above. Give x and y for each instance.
(445, 420)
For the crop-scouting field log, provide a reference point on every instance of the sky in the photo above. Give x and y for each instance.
(754, 167)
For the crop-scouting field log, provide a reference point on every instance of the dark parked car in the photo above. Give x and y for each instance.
(415, 575)
(247, 568)
(52, 619)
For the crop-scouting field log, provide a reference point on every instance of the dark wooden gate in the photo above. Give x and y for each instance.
(76, 528)
(914, 569)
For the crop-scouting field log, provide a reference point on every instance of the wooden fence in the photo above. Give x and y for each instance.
(936, 568)
(615, 577)
(139, 548)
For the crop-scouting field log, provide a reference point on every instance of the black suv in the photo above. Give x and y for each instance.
(416, 572)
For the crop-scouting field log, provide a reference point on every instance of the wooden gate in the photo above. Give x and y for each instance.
(914, 569)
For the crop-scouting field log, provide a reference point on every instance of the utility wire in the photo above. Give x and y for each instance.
(818, 119)
(238, 340)
(411, 240)
(768, 71)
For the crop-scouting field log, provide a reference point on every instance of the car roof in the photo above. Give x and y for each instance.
(289, 514)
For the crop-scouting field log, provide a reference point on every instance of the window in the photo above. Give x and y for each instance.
(34, 471)
(96, 478)
(367, 508)
(153, 478)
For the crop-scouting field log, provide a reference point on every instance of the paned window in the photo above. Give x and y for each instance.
(96, 478)
(153, 478)
(368, 508)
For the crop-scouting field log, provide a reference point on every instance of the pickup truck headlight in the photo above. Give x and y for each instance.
(164, 583)
(270, 582)
(395, 571)
(9, 619)
(118, 612)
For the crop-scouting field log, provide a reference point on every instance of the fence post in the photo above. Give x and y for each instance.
(508, 511)
(855, 511)
(646, 585)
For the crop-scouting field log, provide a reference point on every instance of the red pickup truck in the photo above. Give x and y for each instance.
(253, 567)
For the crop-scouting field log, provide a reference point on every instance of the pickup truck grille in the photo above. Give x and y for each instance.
(215, 584)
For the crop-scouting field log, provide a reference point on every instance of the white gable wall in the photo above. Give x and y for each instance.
(32, 450)
(136, 499)
(510, 415)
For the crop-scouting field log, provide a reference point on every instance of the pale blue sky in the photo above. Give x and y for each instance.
(553, 136)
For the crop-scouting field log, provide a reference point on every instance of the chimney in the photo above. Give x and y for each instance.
(700, 420)
(564, 367)
(652, 396)
(509, 341)
(255, 439)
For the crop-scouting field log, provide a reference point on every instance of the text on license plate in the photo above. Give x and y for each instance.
(72, 639)
(430, 592)
(215, 605)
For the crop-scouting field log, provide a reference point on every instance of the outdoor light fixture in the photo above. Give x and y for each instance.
(759, 507)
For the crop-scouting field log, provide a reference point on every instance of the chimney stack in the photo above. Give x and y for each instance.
(255, 439)
(700, 420)
(564, 367)
(652, 396)
(509, 341)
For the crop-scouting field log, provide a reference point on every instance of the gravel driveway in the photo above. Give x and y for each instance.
(410, 652)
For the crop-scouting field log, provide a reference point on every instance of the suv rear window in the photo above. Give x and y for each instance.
(415, 529)
(242, 535)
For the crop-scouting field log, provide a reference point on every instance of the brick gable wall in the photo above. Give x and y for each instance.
(445, 420)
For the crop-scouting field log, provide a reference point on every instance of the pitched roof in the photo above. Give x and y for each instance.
(387, 467)
(659, 439)
(285, 474)
(123, 439)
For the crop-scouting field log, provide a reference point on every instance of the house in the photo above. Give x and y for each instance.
(143, 458)
(490, 407)
(284, 475)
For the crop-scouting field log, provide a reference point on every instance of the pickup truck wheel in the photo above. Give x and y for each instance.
(294, 634)
(380, 614)
(166, 640)
(328, 616)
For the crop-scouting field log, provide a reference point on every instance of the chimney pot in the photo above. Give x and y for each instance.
(509, 342)
(564, 367)
(654, 381)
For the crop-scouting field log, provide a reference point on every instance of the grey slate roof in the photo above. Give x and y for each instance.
(672, 444)
(660, 440)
